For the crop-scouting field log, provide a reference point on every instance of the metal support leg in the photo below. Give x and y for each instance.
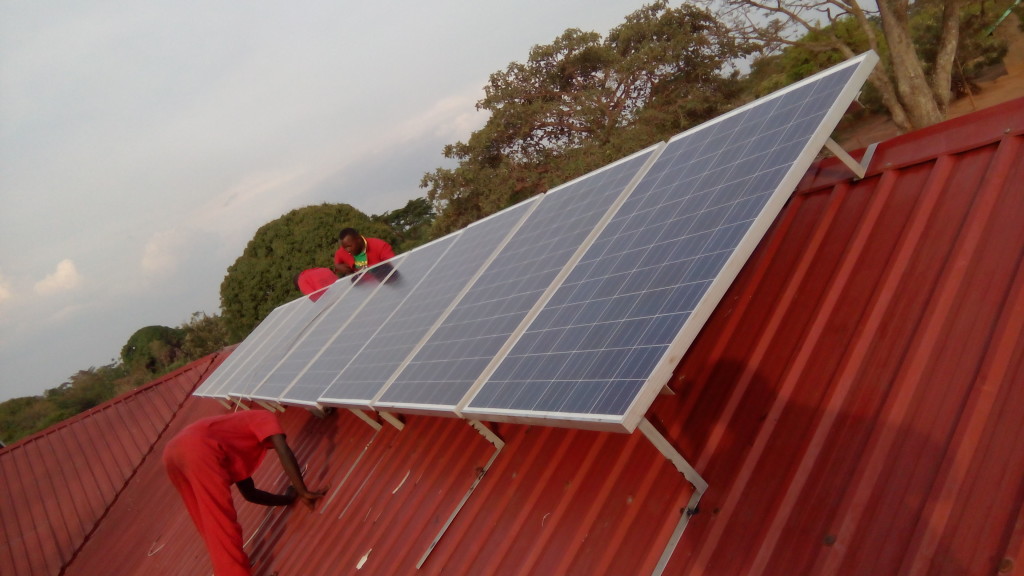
(699, 487)
(366, 418)
(498, 445)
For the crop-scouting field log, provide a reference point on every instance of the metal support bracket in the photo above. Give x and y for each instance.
(366, 418)
(498, 445)
(699, 487)
(272, 406)
(392, 419)
(858, 168)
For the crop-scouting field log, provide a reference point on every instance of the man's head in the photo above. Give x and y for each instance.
(351, 241)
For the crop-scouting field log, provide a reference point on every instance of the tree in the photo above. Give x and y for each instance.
(204, 334)
(913, 85)
(20, 417)
(263, 277)
(410, 225)
(581, 102)
(152, 349)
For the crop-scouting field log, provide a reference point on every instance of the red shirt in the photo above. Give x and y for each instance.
(377, 251)
(315, 279)
(238, 440)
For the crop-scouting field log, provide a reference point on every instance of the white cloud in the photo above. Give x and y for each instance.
(162, 254)
(63, 279)
(5, 290)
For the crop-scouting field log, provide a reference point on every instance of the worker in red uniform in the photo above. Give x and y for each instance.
(210, 455)
(356, 252)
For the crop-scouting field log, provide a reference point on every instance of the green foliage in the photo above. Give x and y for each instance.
(410, 225)
(811, 54)
(153, 348)
(263, 277)
(204, 335)
(975, 49)
(581, 102)
(815, 51)
(20, 417)
(86, 389)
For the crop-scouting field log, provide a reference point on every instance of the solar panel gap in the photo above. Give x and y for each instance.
(730, 193)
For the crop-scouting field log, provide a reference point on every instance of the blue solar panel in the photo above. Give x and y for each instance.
(306, 311)
(417, 308)
(598, 352)
(353, 291)
(244, 352)
(313, 363)
(461, 347)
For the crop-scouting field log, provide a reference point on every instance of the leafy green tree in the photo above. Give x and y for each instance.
(263, 277)
(581, 102)
(204, 334)
(85, 389)
(20, 417)
(919, 43)
(152, 349)
(410, 225)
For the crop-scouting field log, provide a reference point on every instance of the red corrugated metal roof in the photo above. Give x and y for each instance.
(855, 404)
(59, 483)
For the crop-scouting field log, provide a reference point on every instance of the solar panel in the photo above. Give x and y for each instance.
(274, 331)
(607, 341)
(419, 304)
(306, 310)
(357, 290)
(312, 363)
(458, 350)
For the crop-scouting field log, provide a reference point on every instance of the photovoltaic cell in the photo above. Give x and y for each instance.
(355, 290)
(313, 363)
(306, 310)
(417, 310)
(599, 344)
(244, 352)
(274, 331)
(457, 352)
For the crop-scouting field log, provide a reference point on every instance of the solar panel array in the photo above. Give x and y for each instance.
(569, 309)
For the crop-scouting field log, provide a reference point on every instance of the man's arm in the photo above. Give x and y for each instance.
(253, 494)
(291, 469)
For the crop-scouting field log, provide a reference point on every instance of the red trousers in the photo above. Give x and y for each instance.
(193, 464)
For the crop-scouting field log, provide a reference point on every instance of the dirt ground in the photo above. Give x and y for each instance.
(991, 91)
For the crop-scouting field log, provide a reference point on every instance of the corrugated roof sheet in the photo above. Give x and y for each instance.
(855, 404)
(61, 482)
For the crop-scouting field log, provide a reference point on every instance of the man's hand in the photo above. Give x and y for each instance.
(291, 469)
(310, 497)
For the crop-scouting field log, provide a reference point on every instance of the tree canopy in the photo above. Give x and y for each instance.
(152, 348)
(923, 45)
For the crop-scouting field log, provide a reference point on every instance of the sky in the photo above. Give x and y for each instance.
(142, 144)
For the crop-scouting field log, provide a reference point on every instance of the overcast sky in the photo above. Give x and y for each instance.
(143, 143)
